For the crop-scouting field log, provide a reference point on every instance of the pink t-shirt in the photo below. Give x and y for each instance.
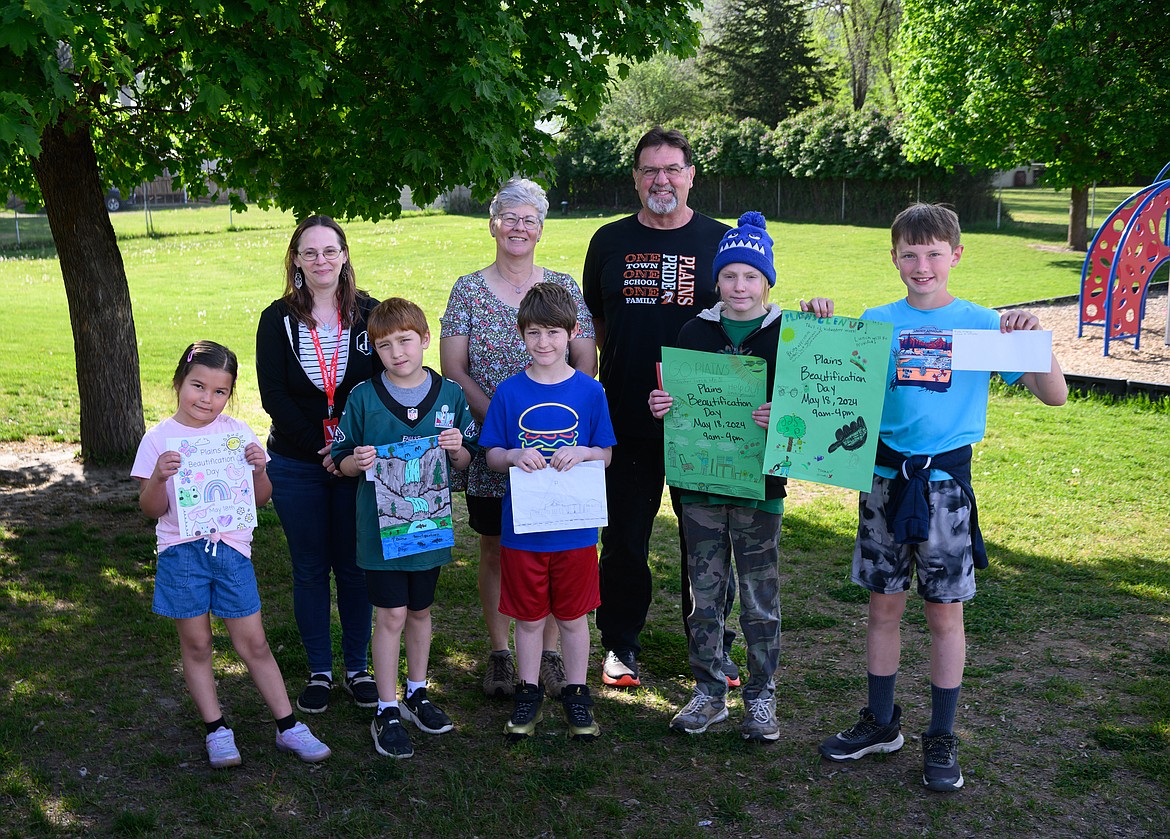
(154, 443)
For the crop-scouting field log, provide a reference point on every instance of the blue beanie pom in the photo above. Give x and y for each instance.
(754, 218)
(750, 244)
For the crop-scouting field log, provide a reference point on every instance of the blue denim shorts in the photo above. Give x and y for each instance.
(194, 578)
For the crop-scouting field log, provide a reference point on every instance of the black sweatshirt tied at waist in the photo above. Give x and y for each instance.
(908, 507)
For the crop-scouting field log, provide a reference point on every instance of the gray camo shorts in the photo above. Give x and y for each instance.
(944, 563)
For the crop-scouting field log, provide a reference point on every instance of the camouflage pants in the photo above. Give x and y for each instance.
(715, 533)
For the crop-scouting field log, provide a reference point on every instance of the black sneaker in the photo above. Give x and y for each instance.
(425, 714)
(362, 687)
(577, 702)
(314, 699)
(940, 763)
(390, 737)
(526, 712)
(865, 737)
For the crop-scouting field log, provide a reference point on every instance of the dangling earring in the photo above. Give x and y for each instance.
(298, 279)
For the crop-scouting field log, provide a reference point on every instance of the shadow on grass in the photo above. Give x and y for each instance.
(92, 681)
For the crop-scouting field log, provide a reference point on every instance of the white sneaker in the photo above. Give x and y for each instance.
(221, 749)
(301, 742)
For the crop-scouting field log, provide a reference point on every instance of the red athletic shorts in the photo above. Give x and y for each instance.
(563, 583)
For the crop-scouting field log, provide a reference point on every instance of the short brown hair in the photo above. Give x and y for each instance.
(659, 136)
(921, 224)
(547, 304)
(396, 315)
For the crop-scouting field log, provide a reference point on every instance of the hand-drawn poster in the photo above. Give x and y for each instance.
(827, 401)
(546, 500)
(413, 487)
(213, 486)
(711, 443)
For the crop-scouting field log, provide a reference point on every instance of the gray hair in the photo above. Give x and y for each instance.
(519, 192)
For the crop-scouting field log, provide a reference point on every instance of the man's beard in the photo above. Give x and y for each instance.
(662, 205)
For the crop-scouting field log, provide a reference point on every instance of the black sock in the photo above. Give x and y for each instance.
(286, 723)
(213, 727)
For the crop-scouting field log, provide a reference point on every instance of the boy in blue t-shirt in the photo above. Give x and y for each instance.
(405, 402)
(548, 415)
(920, 513)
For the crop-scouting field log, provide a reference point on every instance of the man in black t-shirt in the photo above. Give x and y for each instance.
(645, 276)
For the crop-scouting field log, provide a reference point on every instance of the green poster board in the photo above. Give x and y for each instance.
(827, 400)
(711, 443)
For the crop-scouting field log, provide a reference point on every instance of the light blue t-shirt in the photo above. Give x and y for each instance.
(929, 407)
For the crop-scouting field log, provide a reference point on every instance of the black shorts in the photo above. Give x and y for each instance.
(485, 514)
(393, 589)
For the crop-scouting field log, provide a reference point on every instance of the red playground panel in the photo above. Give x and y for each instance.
(1130, 246)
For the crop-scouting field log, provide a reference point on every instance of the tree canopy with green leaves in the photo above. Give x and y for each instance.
(311, 105)
(760, 61)
(858, 39)
(1078, 85)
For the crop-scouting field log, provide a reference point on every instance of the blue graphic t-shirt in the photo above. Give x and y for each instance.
(526, 414)
(929, 407)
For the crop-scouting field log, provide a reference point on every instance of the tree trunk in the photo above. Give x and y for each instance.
(1078, 218)
(104, 342)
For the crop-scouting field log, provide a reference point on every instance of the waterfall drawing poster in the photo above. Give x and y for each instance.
(711, 442)
(412, 484)
(827, 399)
(213, 487)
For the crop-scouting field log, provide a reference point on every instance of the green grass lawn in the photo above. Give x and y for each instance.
(200, 278)
(1065, 712)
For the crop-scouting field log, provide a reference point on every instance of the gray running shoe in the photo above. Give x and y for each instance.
(699, 714)
(620, 669)
(499, 679)
(759, 719)
(552, 673)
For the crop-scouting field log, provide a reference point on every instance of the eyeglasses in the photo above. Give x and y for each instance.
(650, 173)
(311, 254)
(511, 220)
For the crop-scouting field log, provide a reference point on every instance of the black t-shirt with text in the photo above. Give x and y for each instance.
(645, 284)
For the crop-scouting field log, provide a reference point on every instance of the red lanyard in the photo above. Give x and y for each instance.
(328, 374)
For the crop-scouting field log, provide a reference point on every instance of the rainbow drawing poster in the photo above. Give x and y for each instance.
(213, 488)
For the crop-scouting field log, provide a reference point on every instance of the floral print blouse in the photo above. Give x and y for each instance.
(495, 349)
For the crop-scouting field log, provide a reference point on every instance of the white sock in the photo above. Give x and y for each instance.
(411, 687)
(382, 706)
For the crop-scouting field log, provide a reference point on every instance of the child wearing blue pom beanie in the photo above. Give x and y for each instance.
(719, 528)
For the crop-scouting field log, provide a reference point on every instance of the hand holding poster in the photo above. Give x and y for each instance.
(413, 487)
(545, 499)
(711, 442)
(827, 401)
(214, 486)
